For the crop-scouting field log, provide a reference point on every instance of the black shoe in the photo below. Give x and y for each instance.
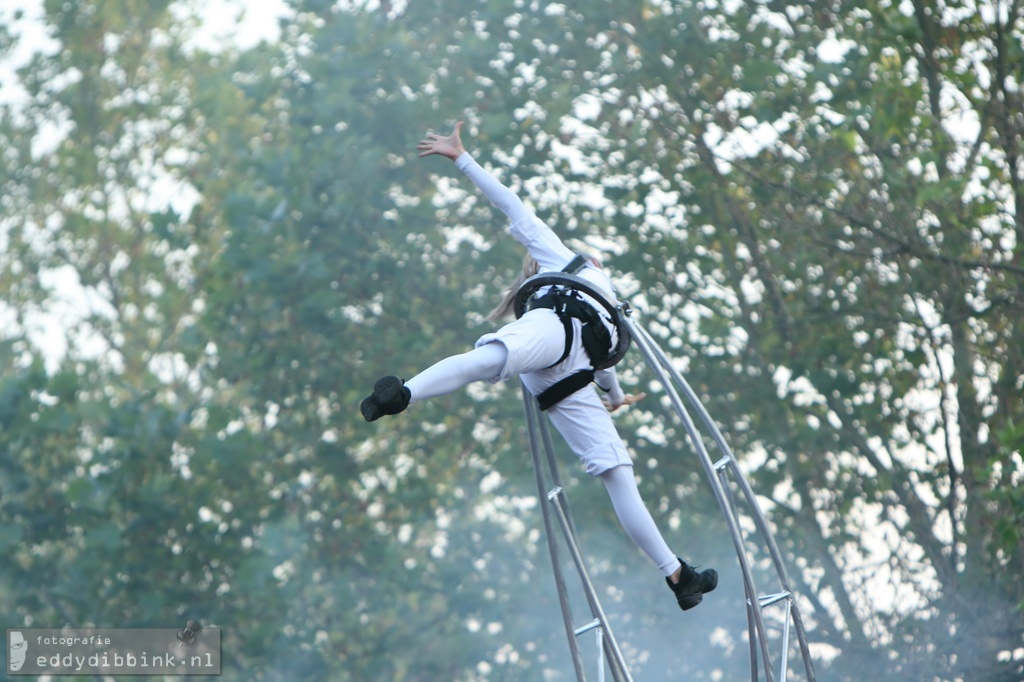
(390, 396)
(692, 586)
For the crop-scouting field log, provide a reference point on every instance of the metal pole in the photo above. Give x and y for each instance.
(588, 587)
(530, 403)
(780, 567)
(717, 474)
(617, 666)
(646, 342)
(659, 363)
(759, 518)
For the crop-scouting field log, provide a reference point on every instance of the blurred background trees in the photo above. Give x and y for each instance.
(208, 257)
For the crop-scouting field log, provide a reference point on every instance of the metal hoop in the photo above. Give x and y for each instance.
(617, 313)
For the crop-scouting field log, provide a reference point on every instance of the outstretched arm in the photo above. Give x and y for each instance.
(502, 197)
(542, 243)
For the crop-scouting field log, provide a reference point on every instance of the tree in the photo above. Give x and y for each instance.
(110, 505)
(833, 194)
(814, 207)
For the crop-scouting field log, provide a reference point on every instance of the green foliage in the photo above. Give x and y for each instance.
(799, 210)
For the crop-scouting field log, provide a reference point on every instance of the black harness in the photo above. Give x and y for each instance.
(565, 299)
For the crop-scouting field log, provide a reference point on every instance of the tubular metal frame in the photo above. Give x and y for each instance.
(556, 512)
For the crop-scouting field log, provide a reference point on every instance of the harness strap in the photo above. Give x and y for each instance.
(614, 313)
(567, 325)
(596, 341)
(578, 262)
(564, 388)
(568, 305)
(558, 301)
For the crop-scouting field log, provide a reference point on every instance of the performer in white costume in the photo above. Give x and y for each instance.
(539, 348)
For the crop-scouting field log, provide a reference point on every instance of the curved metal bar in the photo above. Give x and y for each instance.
(658, 362)
(748, 493)
(561, 500)
(780, 568)
(717, 475)
(588, 587)
(553, 470)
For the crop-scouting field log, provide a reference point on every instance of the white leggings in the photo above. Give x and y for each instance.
(480, 364)
(485, 363)
(635, 519)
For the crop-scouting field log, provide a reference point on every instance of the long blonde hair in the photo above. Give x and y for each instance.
(530, 268)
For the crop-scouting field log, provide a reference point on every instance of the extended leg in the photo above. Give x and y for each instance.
(480, 364)
(391, 395)
(688, 586)
(636, 519)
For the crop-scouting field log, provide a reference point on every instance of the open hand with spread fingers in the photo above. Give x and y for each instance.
(445, 145)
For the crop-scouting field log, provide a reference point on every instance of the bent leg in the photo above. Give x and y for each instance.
(480, 364)
(636, 519)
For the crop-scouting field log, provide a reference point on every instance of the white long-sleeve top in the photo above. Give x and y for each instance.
(543, 245)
